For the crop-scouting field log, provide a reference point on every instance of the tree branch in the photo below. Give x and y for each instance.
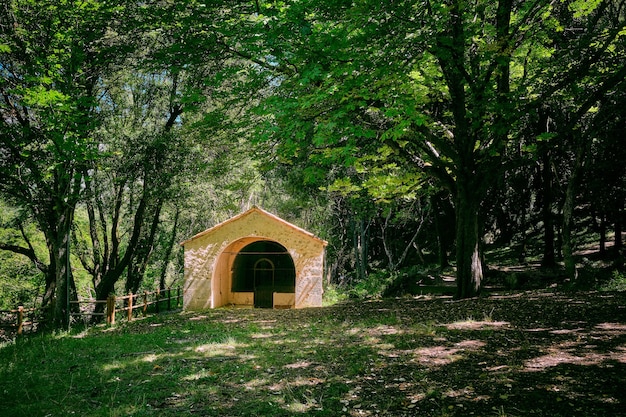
(28, 252)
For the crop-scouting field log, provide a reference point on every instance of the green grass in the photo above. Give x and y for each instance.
(173, 364)
(380, 357)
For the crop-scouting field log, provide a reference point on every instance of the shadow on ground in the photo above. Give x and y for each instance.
(534, 353)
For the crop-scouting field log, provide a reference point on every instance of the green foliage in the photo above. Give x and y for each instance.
(57, 54)
(20, 282)
(373, 286)
(617, 282)
(333, 295)
(338, 115)
(583, 8)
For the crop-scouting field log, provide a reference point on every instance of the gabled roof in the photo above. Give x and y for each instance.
(249, 212)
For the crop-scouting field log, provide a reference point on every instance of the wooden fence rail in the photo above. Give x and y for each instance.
(20, 318)
(131, 302)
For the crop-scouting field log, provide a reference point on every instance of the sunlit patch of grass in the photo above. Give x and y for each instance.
(383, 330)
(389, 357)
(425, 329)
(437, 355)
(471, 324)
(226, 348)
(7, 344)
(298, 365)
(383, 347)
(200, 375)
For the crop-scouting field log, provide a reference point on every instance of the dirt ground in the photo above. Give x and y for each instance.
(526, 353)
(516, 354)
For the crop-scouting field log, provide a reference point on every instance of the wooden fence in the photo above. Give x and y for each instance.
(169, 299)
(22, 319)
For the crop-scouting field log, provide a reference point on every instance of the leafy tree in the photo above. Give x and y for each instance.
(52, 55)
(445, 86)
(427, 98)
(164, 115)
(143, 157)
(589, 43)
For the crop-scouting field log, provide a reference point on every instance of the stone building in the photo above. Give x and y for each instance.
(253, 259)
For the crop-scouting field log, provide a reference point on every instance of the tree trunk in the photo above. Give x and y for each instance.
(568, 211)
(603, 236)
(619, 259)
(568, 251)
(105, 288)
(65, 286)
(168, 253)
(107, 285)
(549, 259)
(360, 249)
(469, 272)
(618, 233)
(48, 300)
(443, 239)
(139, 262)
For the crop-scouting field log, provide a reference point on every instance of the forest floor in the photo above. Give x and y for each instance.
(531, 353)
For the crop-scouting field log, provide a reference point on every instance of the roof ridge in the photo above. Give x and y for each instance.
(253, 208)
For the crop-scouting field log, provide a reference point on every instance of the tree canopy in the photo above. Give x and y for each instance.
(407, 93)
(399, 131)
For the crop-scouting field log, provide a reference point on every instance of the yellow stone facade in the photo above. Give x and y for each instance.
(211, 264)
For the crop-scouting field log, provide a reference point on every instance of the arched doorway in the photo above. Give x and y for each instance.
(263, 267)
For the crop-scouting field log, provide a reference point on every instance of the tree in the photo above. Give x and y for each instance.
(52, 56)
(446, 86)
(147, 155)
(439, 95)
(163, 117)
(590, 45)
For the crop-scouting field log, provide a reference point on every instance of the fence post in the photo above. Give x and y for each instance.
(111, 309)
(145, 303)
(169, 298)
(20, 319)
(129, 317)
(158, 296)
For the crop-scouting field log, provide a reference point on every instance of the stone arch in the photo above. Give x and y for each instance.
(254, 271)
(264, 267)
(210, 257)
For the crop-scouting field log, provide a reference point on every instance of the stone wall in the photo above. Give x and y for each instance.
(209, 258)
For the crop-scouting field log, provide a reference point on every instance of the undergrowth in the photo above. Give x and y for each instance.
(617, 282)
(413, 280)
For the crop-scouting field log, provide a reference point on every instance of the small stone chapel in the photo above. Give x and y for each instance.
(253, 259)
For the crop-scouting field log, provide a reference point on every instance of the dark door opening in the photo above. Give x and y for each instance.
(264, 268)
(264, 283)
